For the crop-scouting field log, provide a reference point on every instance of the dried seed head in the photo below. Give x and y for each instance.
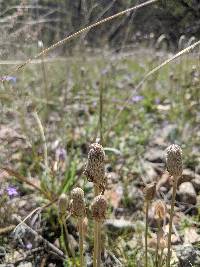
(63, 204)
(160, 210)
(95, 167)
(98, 208)
(163, 243)
(174, 160)
(150, 191)
(77, 202)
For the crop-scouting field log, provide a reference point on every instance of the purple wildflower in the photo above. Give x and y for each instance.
(157, 101)
(12, 79)
(29, 245)
(12, 191)
(137, 98)
(61, 154)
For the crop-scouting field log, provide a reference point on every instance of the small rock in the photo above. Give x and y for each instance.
(191, 236)
(119, 226)
(196, 183)
(25, 264)
(186, 255)
(187, 193)
(154, 155)
(150, 174)
(187, 176)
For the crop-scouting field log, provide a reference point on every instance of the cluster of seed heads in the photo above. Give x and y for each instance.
(98, 208)
(174, 161)
(77, 205)
(149, 191)
(95, 167)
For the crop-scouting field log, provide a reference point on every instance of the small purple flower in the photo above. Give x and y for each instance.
(12, 79)
(137, 98)
(29, 245)
(12, 191)
(61, 154)
(157, 101)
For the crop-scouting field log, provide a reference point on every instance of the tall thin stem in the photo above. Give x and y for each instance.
(158, 242)
(80, 224)
(146, 234)
(41, 131)
(96, 232)
(170, 221)
(101, 112)
(67, 241)
(98, 244)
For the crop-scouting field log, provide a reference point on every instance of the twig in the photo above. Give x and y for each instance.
(39, 237)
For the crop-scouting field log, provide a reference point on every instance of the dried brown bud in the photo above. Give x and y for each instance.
(63, 204)
(149, 191)
(98, 208)
(163, 243)
(95, 167)
(174, 160)
(77, 202)
(160, 210)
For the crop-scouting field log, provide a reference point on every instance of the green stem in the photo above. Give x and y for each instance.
(170, 221)
(96, 193)
(101, 112)
(146, 234)
(158, 242)
(98, 244)
(67, 241)
(41, 131)
(80, 223)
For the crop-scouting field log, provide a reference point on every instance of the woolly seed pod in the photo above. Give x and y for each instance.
(160, 210)
(63, 204)
(98, 208)
(95, 167)
(150, 191)
(77, 202)
(174, 160)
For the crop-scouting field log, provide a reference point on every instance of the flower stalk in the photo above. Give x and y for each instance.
(175, 169)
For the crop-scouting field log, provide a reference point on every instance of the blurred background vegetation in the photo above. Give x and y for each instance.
(24, 22)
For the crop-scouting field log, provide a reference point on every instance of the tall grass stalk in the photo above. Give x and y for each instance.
(98, 207)
(81, 238)
(101, 88)
(78, 211)
(96, 233)
(41, 131)
(175, 169)
(146, 233)
(149, 194)
(171, 220)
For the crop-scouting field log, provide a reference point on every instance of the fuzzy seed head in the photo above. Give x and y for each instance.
(163, 243)
(63, 204)
(95, 167)
(160, 210)
(174, 160)
(98, 208)
(78, 202)
(150, 191)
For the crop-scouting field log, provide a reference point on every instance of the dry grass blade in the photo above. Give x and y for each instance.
(74, 35)
(40, 209)
(139, 85)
